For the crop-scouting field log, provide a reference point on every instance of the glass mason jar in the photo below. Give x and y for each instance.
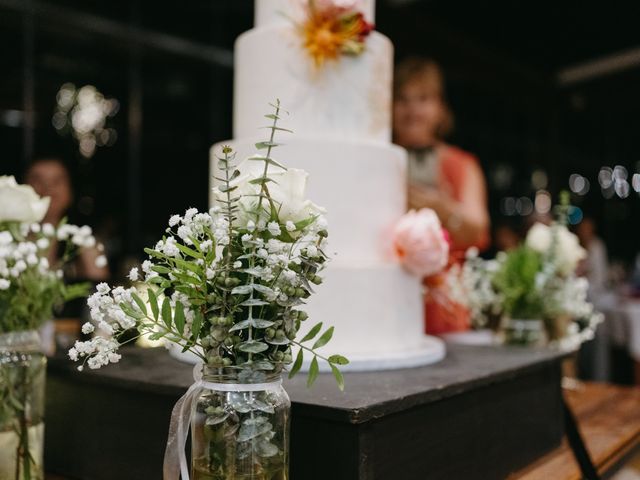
(525, 332)
(22, 390)
(240, 431)
(558, 327)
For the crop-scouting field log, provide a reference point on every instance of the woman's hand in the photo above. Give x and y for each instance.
(467, 219)
(426, 197)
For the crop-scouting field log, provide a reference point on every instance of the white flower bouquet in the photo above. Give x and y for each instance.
(532, 285)
(29, 286)
(232, 280)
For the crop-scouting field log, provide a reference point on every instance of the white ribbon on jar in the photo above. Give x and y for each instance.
(175, 458)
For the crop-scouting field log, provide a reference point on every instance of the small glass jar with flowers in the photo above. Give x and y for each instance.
(531, 295)
(30, 289)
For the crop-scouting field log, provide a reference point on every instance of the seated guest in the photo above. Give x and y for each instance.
(49, 177)
(506, 236)
(595, 266)
(441, 177)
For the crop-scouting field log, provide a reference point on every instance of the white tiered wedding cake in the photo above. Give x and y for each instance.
(341, 116)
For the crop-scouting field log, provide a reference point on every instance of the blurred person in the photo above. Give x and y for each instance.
(441, 177)
(505, 237)
(50, 177)
(595, 267)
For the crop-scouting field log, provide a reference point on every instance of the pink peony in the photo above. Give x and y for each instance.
(421, 243)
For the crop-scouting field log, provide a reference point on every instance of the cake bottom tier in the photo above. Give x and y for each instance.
(378, 316)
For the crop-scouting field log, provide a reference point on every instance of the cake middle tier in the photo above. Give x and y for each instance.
(362, 185)
(349, 97)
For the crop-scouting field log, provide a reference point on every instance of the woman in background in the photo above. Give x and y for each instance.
(49, 177)
(441, 177)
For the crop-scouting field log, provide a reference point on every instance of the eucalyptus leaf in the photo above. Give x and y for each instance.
(131, 312)
(249, 431)
(153, 303)
(313, 372)
(241, 325)
(261, 181)
(261, 323)
(312, 333)
(216, 419)
(187, 265)
(161, 269)
(297, 364)
(275, 341)
(155, 253)
(338, 360)
(263, 289)
(139, 302)
(240, 402)
(338, 375)
(188, 251)
(198, 319)
(279, 128)
(263, 406)
(253, 302)
(266, 449)
(268, 160)
(166, 312)
(241, 290)
(252, 346)
(263, 365)
(324, 339)
(263, 145)
(179, 317)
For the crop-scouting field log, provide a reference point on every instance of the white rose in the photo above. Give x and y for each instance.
(287, 190)
(539, 238)
(569, 251)
(20, 203)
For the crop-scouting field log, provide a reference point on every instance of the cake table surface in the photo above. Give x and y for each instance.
(483, 402)
(367, 395)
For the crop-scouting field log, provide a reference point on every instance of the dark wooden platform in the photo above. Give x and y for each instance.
(482, 413)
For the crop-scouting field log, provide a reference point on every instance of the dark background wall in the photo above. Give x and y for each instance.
(169, 64)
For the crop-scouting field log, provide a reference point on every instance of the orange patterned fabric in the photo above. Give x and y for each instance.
(453, 167)
(441, 314)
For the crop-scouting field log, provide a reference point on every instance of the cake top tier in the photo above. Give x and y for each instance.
(270, 12)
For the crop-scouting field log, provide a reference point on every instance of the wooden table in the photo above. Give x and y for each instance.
(609, 419)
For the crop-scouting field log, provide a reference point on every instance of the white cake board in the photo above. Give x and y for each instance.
(187, 357)
(431, 350)
(484, 337)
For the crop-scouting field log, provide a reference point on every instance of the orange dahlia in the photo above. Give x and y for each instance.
(331, 30)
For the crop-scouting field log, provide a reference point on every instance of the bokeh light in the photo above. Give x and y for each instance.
(543, 202)
(84, 113)
(578, 184)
